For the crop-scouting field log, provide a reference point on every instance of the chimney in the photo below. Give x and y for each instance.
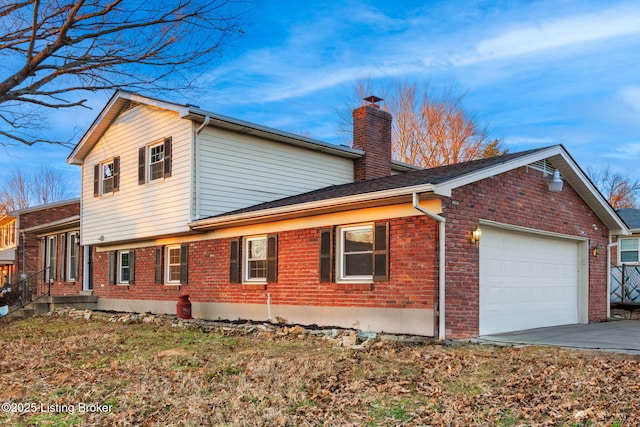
(372, 134)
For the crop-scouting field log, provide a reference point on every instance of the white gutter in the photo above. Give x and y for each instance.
(441, 268)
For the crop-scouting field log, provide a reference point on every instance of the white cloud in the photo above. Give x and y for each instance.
(631, 97)
(524, 38)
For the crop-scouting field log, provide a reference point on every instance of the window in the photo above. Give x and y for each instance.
(629, 251)
(123, 267)
(172, 273)
(156, 162)
(256, 259)
(106, 177)
(50, 257)
(356, 253)
(361, 253)
(73, 246)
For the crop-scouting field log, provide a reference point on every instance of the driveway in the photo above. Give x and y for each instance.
(619, 336)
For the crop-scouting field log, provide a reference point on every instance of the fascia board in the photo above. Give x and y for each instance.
(265, 214)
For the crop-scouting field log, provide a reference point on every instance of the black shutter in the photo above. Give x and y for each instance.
(141, 165)
(167, 156)
(113, 267)
(158, 266)
(326, 249)
(132, 266)
(234, 261)
(184, 263)
(381, 252)
(272, 258)
(96, 180)
(116, 174)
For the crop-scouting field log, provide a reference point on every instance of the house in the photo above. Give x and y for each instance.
(625, 260)
(255, 223)
(48, 256)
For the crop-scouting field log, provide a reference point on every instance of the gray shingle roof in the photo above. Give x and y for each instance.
(408, 179)
(630, 216)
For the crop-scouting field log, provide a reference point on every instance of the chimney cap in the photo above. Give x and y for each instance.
(372, 100)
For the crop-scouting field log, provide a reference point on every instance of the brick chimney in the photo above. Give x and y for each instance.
(372, 134)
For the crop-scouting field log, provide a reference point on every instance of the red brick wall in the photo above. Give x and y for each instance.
(372, 134)
(411, 285)
(31, 246)
(519, 197)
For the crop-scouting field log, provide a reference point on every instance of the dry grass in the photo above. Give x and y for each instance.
(156, 375)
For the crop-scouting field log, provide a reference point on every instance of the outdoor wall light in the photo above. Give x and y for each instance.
(555, 182)
(596, 251)
(476, 235)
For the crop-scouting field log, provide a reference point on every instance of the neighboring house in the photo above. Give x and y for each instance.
(254, 223)
(8, 244)
(48, 254)
(625, 261)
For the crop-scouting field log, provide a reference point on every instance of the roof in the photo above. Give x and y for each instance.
(631, 217)
(121, 99)
(437, 182)
(45, 206)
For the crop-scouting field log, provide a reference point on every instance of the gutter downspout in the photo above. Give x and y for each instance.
(441, 268)
(196, 169)
(609, 246)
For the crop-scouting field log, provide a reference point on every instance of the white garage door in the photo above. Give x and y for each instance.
(526, 281)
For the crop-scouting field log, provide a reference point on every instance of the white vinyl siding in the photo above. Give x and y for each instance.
(136, 211)
(236, 171)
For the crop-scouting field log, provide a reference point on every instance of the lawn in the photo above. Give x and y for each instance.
(63, 372)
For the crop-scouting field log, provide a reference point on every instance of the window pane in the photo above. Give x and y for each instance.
(358, 240)
(629, 256)
(358, 265)
(258, 249)
(258, 269)
(629, 244)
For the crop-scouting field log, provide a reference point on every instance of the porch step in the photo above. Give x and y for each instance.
(48, 304)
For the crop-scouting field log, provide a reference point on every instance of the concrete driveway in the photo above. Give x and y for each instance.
(619, 336)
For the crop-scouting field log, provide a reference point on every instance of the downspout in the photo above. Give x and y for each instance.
(441, 268)
(609, 246)
(196, 169)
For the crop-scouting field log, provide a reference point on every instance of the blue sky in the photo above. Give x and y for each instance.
(537, 73)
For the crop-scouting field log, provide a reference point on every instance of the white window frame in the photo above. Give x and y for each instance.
(51, 260)
(169, 264)
(121, 280)
(341, 275)
(149, 163)
(103, 179)
(248, 258)
(637, 250)
(73, 252)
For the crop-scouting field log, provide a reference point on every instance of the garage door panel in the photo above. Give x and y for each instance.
(526, 281)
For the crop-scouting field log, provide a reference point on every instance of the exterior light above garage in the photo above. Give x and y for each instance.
(476, 235)
(555, 182)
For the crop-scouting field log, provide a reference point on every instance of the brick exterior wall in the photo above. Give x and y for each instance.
(412, 282)
(518, 197)
(31, 245)
(372, 134)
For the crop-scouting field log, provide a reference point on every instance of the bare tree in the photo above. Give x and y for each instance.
(53, 50)
(22, 190)
(619, 190)
(430, 130)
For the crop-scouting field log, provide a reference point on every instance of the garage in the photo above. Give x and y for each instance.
(527, 280)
